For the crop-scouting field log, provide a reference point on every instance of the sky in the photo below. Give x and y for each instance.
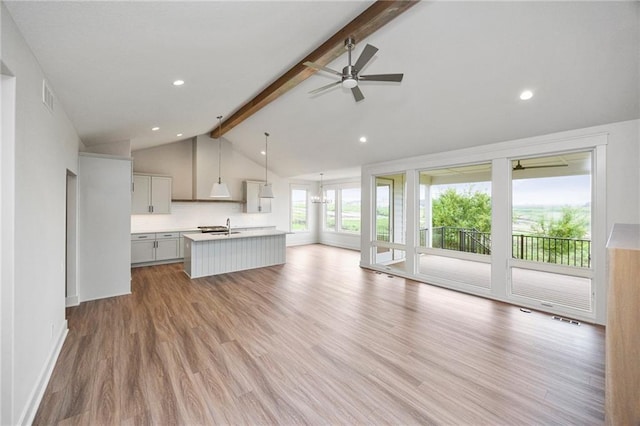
(551, 191)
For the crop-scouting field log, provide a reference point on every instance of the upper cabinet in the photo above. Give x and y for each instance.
(151, 194)
(253, 203)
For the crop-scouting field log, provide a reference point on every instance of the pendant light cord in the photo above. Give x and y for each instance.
(266, 157)
(219, 149)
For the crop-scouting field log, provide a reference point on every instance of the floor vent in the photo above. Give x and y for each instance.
(570, 321)
(47, 96)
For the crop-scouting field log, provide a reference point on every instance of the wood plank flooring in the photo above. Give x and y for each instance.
(318, 341)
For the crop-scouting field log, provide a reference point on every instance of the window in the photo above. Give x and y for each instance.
(330, 210)
(350, 210)
(342, 212)
(299, 210)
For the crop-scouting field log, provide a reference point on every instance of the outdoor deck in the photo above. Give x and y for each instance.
(557, 289)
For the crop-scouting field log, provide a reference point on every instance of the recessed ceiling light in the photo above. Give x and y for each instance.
(155, 128)
(263, 153)
(363, 139)
(526, 95)
(179, 134)
(178, 82)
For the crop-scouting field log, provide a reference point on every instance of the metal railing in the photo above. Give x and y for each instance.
(562, 251)
(459, 239)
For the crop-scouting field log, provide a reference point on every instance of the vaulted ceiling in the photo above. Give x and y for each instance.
(112, 64)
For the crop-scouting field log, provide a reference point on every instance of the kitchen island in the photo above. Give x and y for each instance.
(213, 254)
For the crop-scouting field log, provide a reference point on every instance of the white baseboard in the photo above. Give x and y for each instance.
(72, 301)
(38, 391)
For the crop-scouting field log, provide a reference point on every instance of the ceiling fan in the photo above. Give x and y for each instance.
(521, 167)
(349, 76)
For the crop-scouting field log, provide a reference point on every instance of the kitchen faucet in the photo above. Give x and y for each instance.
(228, 226)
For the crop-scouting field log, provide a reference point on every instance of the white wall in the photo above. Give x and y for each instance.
(120, 148)
(46, 146)
(175, 160)
(104, 229)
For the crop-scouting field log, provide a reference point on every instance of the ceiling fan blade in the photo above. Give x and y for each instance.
(382, 77)
(365, 56)
(322, 68)
(328, 86)
(357, 94)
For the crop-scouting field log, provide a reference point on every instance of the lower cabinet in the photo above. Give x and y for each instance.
(155, 247)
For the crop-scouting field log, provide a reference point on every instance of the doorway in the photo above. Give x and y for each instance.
(7, 243)
(390, 221)
(71, 288)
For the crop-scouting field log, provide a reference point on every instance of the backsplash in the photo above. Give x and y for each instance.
(188, 215)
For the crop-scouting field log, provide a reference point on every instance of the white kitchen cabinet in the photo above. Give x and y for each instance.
(154, 247)
(151, 194)
(167, 245)
(143, 251)
(252, 202)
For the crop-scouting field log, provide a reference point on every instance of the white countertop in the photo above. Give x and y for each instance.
(159, 230)
(239, 234)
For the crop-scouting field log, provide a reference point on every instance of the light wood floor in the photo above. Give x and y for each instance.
(318, 341)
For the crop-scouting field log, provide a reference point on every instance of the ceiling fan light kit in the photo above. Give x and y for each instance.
(349, 77)
(219, 189)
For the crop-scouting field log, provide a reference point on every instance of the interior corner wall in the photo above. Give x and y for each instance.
(173, 159)
(119, 149)
(46, 146)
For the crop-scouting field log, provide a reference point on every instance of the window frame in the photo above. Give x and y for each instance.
(299, 187)
(337, 202)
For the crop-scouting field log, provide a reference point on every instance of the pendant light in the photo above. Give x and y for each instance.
(219, 189)
(266, 191)
(320, 198)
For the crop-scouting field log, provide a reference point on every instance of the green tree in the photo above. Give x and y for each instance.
(573, 223)
(470, 209)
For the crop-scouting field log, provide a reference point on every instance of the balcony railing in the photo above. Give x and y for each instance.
(460, 239)
(562, 251)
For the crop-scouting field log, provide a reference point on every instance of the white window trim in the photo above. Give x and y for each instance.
(337, 202)
(300, 187)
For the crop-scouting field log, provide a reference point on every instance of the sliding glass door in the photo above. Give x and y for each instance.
(551, 231)
(390, 221)
(454, 240)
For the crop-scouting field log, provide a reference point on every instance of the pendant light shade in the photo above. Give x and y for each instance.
(266, 191)
(219, 189)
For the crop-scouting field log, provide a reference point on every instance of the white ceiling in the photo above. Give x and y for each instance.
(111, 65)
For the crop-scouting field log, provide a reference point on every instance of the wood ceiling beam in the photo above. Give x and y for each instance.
(365, 24)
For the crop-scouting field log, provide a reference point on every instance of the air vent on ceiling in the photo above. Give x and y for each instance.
(47, 96)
